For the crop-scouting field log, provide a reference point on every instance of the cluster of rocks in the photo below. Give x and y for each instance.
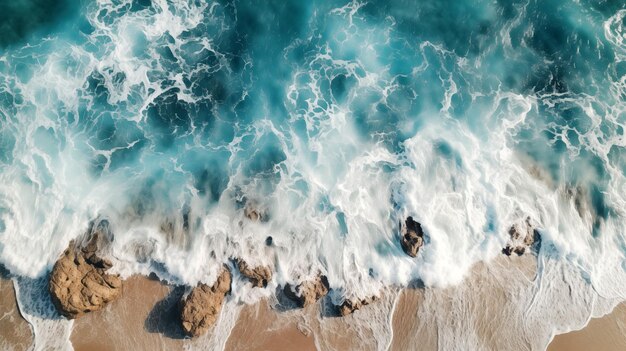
(349, 306)
(201, 308)
(308, 292)
(522, 236)
(79, 281)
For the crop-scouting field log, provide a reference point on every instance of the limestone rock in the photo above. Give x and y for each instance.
(351, 305)
(259, 276)
(308, 292)
(79, 282)
(200, 309)
(412, 237)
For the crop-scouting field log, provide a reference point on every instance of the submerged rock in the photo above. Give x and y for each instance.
(412, 237)
(254, 212)
(79, 282)
(308, 292)
(349, 306)
(200, 309)
(259, 276)
(522, 236)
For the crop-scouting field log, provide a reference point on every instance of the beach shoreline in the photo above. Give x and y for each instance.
(145, 317)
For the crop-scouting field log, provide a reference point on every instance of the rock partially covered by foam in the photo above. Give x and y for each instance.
(522, 236)
(349, 306)
(79, 282)
(259, 275)
(200, 309)
(254, 212)
(412, 237)
(308, 292)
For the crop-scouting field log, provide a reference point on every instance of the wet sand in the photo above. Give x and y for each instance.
(261, 328)
(432, 319)
(607, 333)
(15, 333)
(142, 319)
(146, 318)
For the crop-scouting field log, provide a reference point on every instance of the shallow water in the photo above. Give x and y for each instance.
(335, 120)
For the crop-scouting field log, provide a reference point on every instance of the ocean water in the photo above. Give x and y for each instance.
(335, 120)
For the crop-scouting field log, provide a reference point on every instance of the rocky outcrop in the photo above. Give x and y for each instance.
(200, 309)
(351, 305)
(259, 275)
(308, 292)
(79, 282)
(412, 237)
(521, 237)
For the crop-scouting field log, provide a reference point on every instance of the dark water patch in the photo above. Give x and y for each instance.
(617, 158)
(209, 170)
(95, 88)
(25, 20)
(139, 5)
(7, 144)
(120, 138)
(4, 272)
(97, 164)
(341, 86)
(565, 37)
(170, 118)
(463, 27)
(210, 182)
(445, 150)
(282, 21)
(126, 155)
(265, 155)
(343, 226)
(606, 8)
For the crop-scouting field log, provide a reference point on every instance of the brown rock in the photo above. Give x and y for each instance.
(308, 292)
(200, 309)
(412, 237)
(522, 236)
(349, 306)
(79, 282)
(259, 276)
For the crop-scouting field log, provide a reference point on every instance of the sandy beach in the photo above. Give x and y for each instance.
(601, 334)
(141, 320)
(145, 318)
(15, 333)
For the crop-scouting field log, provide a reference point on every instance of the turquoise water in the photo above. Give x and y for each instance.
(334, 119)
